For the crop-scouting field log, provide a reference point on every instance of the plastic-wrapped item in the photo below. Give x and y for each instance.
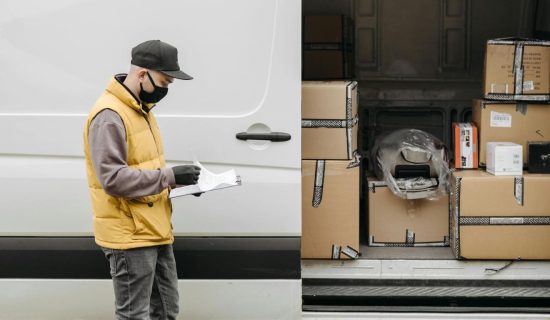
(413, 163)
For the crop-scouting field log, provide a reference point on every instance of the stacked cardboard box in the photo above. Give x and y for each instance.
(330, 210)
(506, 217)
(330, 177)
(510, 121)
(329, 119)
(497, 217)
(397, 222)
(517, 69)
(327, 48)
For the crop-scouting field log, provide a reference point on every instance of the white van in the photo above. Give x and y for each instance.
(237, 250)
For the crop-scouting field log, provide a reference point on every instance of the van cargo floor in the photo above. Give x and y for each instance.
(406, 253)
(426, 295)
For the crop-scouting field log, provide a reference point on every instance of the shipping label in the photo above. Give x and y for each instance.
(502, 120)
(466, 146)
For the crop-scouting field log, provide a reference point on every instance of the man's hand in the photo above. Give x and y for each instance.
(186, 174)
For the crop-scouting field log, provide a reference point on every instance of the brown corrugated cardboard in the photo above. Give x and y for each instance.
(517, 70)
(329, 119)
(500, 217)
(396, 222)
(330, 210)
(327, 47)
(509, 121)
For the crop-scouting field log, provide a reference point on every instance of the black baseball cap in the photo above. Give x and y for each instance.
(159, 56)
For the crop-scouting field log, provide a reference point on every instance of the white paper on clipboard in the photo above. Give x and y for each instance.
(208, 181)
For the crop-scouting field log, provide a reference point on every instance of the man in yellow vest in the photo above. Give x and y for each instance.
(129, 184)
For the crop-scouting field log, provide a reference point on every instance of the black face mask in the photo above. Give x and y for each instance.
(155, 96)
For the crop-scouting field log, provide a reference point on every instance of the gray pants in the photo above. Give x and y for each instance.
(145, 282)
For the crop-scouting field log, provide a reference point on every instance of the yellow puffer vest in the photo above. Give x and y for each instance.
(130, 223)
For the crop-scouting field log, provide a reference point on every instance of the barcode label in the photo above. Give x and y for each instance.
(503, 120)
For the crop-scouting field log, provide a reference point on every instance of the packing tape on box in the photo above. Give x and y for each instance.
(518, 68)
(322, 123)
(455, 221)
(504, 221)
(518, 190)
(355, 160)
(350, 252)
(349, 115)
(521, 107)
(500, 91)
(347, 250)
(410, 237)
(335, 252)
(409, 242)
(318, 184)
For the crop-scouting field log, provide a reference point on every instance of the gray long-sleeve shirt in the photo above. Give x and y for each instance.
(107, 139)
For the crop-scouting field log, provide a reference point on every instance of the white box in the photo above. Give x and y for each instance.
(504, 158)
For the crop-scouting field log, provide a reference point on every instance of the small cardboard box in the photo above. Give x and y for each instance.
(397, 222)
(329, 120)
(510, 121)
(327, 47)
(504, 158)
(330, 210)
(465, 137)
(517, 69)
(500, 217)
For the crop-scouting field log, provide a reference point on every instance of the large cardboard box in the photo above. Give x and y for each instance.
(327, 48)
(330, 210)
(510, 121)
(397, 222)
(329, 119)
(500, 217)
(517, 70)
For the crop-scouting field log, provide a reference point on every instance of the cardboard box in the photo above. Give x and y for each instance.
(538, 155)
(504, 159)
(517, 70)
(330, 210)
(510, 121)
(329, 119)
(397, 222)
(495, 217)
(465, 138)
(327, 48)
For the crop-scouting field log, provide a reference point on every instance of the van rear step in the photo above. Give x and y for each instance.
(353, 295)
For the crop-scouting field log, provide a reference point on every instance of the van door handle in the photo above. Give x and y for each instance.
(272, 136)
